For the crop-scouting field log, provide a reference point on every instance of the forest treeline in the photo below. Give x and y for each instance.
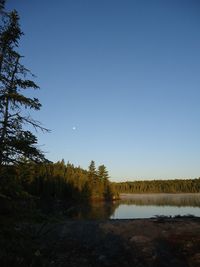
(159, 186)
(56, 181)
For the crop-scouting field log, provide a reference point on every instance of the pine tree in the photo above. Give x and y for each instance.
(103, 173)
(15, 140)
(92, 168)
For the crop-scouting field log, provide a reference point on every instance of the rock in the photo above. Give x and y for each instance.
(140, 239)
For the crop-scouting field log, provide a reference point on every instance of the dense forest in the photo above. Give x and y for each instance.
(56, 181)
(159, 186)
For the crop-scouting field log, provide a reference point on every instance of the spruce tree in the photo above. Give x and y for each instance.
(92, 168)
(15, 140)
(102, 172)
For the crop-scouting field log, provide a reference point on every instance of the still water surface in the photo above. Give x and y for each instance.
(150, 205)
(132, 206)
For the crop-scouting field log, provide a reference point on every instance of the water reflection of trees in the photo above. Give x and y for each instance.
(93, 211)
(182, 200)
(105, 210)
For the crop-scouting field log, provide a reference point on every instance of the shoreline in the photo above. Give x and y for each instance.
(160, 242)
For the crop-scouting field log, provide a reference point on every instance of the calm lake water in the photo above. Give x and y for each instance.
(133, 206)
(150, 205)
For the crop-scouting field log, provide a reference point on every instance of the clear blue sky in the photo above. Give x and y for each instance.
(126, 74)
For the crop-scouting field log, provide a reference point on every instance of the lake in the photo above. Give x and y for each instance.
(132, 206)
(149, 205)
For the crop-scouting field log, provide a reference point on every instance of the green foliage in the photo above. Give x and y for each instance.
(102, 172)
(15, 140)
(92, 168)
(57, 181)
(159, 186)
(10, 186)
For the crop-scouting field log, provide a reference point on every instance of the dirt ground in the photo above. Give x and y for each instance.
(159, 242)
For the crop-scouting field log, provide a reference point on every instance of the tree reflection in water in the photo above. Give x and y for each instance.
(142, 205)
(178, 200)
(93, 211)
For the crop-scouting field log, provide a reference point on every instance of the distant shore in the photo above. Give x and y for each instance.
(132, 195)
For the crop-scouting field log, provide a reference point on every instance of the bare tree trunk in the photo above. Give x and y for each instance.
(6, 115)
(1, 59)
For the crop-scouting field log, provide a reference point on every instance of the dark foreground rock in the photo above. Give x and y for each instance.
(117, 243)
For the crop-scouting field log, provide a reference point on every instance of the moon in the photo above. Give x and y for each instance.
(73, 128)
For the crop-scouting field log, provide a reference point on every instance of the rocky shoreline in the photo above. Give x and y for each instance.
(160, 242)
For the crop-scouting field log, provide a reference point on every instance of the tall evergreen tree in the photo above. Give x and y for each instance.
(15, 140)
(102, 172)
(92, 168)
